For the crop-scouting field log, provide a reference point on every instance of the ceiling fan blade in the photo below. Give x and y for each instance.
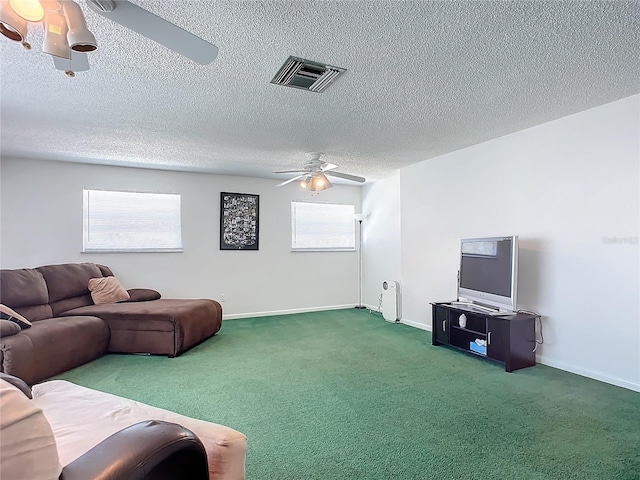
(159, 30)
(328, 166)
(291, 171)
(346, 176)
(78, 63)
(291, 180)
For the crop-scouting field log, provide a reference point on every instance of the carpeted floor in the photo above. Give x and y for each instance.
(346, 395)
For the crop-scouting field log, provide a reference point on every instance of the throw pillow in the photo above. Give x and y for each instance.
(8, 328)
(142, 295)
(7, 313)
(107, 290)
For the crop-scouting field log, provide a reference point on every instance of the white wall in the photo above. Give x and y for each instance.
(41, 223)
(566, 188)
(381, 237)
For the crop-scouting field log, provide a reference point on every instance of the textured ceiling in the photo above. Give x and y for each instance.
(423, 79)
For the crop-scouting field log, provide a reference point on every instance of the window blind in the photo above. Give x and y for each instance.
(131, 221)
(322, 226)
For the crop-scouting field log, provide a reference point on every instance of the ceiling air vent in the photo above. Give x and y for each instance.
(307, 75)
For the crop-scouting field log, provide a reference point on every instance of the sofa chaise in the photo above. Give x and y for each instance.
(68, 329)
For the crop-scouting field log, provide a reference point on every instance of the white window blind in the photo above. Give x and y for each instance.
(131, 222)
(322, 226)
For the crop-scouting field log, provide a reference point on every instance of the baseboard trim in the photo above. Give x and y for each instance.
(567, 367)
(406, 321)
(419, 325)
(585, 372)
(272, 313)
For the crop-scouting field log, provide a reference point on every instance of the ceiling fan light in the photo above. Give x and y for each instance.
(320, 182)
(30, 10)
(79, 38)
(55, 35)
(306, 182)
(12, 25)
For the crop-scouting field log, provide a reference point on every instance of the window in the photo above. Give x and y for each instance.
(131, 222)
(322, 226)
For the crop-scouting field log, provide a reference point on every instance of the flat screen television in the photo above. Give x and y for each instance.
(489, 272)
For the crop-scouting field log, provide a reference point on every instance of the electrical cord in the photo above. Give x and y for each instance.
(538, 320)
(379, 305)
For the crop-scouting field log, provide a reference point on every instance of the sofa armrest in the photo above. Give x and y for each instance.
(142, 295)
(146, 450)
(104, 270)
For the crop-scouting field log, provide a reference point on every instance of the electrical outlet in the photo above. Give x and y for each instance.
(222, 297)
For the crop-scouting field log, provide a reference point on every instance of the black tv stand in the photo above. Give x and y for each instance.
(502, 337)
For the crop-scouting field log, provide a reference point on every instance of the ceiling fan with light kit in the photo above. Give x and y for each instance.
(68, 40)
(314, 172)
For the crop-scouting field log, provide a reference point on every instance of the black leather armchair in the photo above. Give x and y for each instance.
(150, 450)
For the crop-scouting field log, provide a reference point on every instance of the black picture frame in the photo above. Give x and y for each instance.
(239, 221)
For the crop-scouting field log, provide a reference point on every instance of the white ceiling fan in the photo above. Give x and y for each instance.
(68, 39)
(314, 174)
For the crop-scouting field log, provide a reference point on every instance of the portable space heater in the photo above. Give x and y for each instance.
(391, 301)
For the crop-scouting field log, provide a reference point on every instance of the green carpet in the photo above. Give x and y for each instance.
(346, 395)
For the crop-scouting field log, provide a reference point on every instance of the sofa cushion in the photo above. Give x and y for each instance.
(8, 328)
(69, 279)
(133, 316)
(107, 290)
(35, 312)
(53, 346)
(7, 313)
(27, 445)
(71, 303)
(162, 327)
(23, 287)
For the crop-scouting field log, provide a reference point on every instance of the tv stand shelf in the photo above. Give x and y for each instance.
(508, 339)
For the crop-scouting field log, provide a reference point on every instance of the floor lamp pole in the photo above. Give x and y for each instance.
(360, 306)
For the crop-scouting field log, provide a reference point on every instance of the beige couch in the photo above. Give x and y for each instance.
(81, 418)
(149, 450)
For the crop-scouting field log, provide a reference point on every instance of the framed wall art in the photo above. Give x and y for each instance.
(239, 221)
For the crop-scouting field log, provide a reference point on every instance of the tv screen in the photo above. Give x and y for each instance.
(488, 270)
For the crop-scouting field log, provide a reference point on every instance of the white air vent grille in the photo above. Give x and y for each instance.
(306, 75)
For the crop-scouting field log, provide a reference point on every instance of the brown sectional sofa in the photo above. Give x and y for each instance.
(69, 330)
